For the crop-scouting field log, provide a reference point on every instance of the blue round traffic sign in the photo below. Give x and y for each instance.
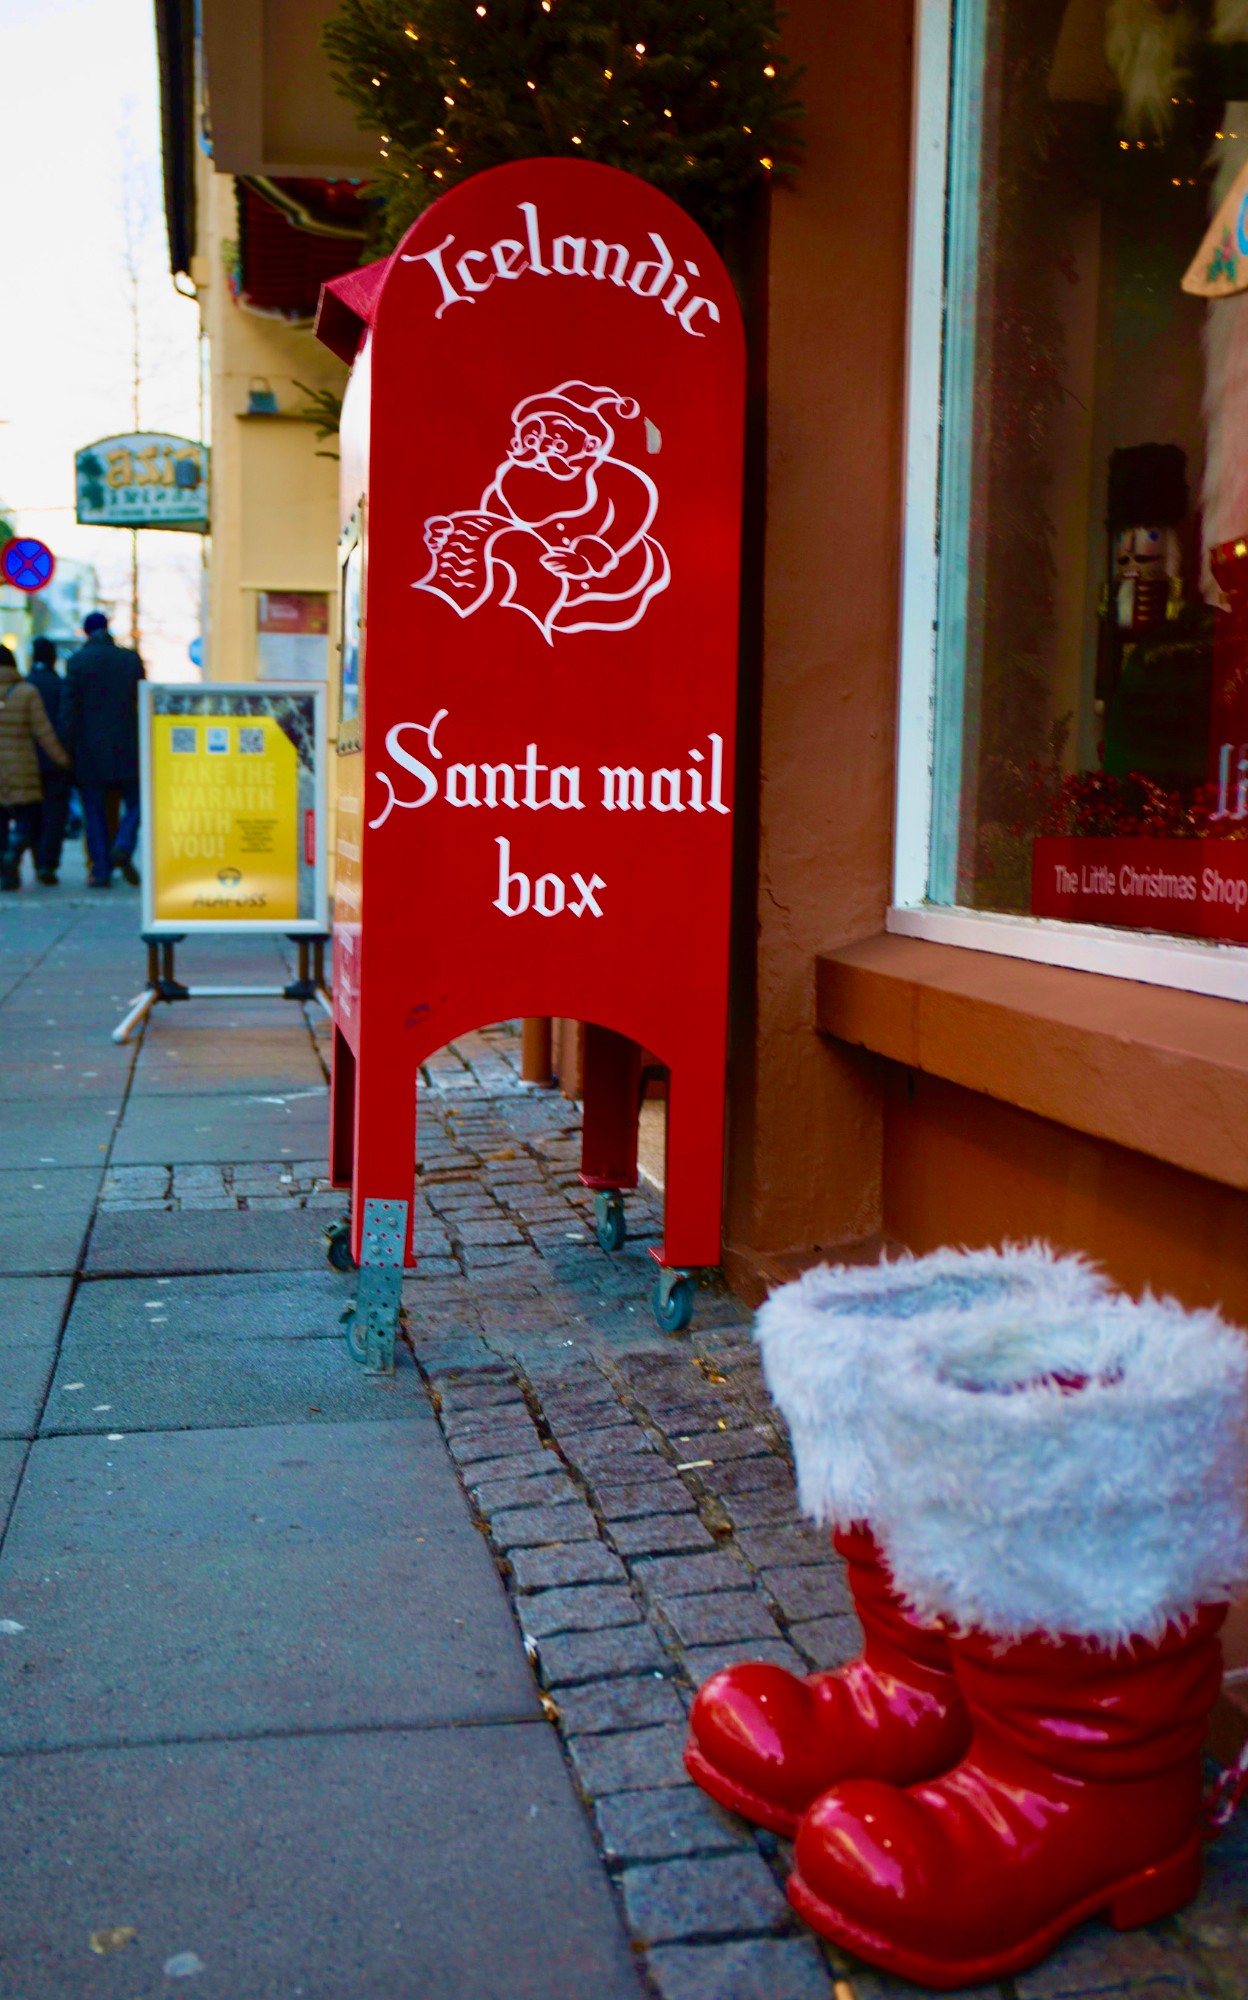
(26, 563)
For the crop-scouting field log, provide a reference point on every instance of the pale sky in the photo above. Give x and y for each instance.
(80, 94)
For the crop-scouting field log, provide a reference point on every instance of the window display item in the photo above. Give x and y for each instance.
(1063, 1491)
(765, 1742)
(1147, 504)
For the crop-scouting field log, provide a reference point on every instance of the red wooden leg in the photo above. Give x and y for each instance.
(609, 1133)
(385, 1140)
(341, 1111)
(694, 1179)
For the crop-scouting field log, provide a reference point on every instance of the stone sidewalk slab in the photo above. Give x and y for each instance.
(286, 1305)
(152, 1383)
(44, 1213)
(449, 1864)
(208, 1081)
(189, 1584)
(295, 1125)
(79, 1075)
(200, 1061)
(31, 1311)
(149, 1241)
(34, 1132)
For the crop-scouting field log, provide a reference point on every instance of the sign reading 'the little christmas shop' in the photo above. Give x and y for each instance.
(144, 479)
(1195, 888)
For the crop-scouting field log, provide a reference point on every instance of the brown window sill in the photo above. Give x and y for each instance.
(1163, 1072)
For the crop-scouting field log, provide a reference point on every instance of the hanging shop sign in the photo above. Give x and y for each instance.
(233, 806)
(538, 668)
(144, 479)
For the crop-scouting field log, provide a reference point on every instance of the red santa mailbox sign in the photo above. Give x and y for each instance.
(542, 446)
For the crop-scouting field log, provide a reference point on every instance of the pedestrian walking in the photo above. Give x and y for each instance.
(23, 726)
(102, 712)
(57, 783)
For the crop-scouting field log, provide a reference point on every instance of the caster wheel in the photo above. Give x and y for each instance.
(673, 1304)
(338, 1245)
(609, 1225)
(353, 1333)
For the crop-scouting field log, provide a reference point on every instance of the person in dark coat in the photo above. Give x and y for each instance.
(102, 720)
(57, 783)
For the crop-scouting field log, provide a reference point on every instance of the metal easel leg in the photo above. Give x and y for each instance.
(140, 1008)
(142, 1004)
(309, 981)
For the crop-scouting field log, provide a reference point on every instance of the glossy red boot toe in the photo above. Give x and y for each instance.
(756, 1744)
(765, 1743)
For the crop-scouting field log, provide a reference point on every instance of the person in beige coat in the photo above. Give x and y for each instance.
(23, 724)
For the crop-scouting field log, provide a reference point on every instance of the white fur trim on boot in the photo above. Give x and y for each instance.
(1079, 1474)
(830, 1338)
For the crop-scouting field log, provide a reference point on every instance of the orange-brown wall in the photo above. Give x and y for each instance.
(963, 1168)
(805, 1123)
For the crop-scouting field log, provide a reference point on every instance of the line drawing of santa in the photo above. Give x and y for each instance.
(562, 529)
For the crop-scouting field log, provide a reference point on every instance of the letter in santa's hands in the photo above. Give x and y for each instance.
(460, 570)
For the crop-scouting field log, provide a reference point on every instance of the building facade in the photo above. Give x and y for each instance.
(257, 221)
(991, 952)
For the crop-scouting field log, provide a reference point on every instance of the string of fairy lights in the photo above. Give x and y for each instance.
(1162, 143)
(698, 102)
(765, 160)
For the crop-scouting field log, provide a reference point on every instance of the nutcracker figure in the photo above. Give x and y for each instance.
(1147, 504)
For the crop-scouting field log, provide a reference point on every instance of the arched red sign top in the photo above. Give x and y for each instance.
(544, 428)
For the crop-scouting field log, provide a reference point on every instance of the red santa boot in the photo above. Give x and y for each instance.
(1078, 1518)
(765, 1742)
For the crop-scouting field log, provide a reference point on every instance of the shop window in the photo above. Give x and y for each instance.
(1088, 741)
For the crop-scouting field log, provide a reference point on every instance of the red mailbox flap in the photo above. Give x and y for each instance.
(345, 309)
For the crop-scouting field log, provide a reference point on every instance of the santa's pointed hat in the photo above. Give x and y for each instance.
(578, 401)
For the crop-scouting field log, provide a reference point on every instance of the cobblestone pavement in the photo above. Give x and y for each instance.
(638, 1496)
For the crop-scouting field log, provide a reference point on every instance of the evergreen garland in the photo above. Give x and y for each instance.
(691, 95)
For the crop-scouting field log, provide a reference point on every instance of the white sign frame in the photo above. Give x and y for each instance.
(316, 925)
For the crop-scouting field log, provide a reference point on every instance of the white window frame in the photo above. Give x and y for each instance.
(1155, 958)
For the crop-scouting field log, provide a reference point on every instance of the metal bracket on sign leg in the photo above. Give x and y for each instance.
(372, 1320)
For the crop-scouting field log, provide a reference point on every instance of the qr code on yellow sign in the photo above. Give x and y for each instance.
(251, 742)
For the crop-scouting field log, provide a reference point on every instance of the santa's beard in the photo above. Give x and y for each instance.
(557, 466)
(533, 496)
